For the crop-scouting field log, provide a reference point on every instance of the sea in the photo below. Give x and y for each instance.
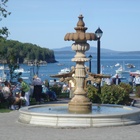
(64, 60)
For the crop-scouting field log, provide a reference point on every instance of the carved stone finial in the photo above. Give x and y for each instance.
(80, 25)
(80, 35)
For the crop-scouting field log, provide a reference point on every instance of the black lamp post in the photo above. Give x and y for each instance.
(37, 66)
(90, 57)
(98, 34)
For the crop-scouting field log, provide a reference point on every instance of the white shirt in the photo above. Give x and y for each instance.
(117, 81)
(6, 92)
(108, 81)
(137, 80)
(37, 81)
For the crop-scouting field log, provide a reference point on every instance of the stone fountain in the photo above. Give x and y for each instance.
(80, 111)
(80, 103)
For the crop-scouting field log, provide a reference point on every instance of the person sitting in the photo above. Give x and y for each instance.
(16, 90)
(51, 94)
(54, 82)
(7, 93)
(25, 89)
(65, 88)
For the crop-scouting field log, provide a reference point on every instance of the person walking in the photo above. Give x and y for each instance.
(137, 80)
(25, 88)
(37, 83)
(130, 80)
(117, 80)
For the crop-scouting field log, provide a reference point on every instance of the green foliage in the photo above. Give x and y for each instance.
(92, 93)
(57, 89)
(137, 92)
(12, 64)
(32, 101)
(3, 14)
(114, 94)
(25, 51)
(46, 83)
(64, 95)
(3, 105)
(4, 110)
(127, 87)
(45, 97)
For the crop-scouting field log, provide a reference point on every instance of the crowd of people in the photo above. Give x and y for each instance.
(133, 80)
(15, 95)
(9, 97)
(19, 94)
(109, 81)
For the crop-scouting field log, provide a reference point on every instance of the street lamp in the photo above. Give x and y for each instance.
(90, 57)
(37, 67)
(98, 34)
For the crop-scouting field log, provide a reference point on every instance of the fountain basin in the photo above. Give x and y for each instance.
(53, 116)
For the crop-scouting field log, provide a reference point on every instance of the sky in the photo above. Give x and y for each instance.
(46, 22)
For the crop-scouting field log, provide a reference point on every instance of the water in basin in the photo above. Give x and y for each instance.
(95, 110)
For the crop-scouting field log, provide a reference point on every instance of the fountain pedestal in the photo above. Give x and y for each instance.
(80, 103)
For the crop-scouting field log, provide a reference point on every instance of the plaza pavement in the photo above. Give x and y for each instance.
(11, 129)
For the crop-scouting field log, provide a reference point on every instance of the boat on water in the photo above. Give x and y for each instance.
(117, 65)
(121, 70)
(24, 78)
(130, 65)
(65, 70)
(30, 64)
(3, 73)
(3, 77)
(60, 64)
(21, 70)
(134, 73)
(41, 63)
(1, 67)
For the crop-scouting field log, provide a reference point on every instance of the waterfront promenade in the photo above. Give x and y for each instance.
(11, 129)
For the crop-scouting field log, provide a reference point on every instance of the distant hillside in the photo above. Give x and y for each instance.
(63, 49)
(131, 52)
(92, 49)
(25, 52)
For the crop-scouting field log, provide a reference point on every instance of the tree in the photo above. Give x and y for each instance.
(12, 64)
(3, 14)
